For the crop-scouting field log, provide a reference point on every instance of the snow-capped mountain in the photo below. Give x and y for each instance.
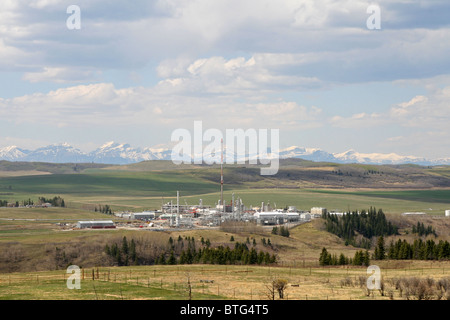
(122, 153)
(312, 154)
(116, 153)
(58, 153)
(353, 156)
(12, 153)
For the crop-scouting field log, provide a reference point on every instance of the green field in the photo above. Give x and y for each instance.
(137, 190)
(431, 196)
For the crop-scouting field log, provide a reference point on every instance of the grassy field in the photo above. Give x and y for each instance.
(429, 196)
(146, 185)
(223, 282)
(32, 239)
(297, 264)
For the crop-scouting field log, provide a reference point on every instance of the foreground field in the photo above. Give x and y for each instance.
(211, 282)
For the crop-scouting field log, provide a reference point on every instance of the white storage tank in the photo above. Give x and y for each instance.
(447, 213)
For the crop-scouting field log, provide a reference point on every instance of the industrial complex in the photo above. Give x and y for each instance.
(177, 215)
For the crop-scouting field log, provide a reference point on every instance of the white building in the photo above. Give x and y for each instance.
(146, 215)
(270, 217)
(318, 210)
(337, 213)
(413, 213)
(305, 216)
(447, 213)
(292, 216)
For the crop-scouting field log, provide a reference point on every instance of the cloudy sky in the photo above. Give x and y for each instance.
(137, 70)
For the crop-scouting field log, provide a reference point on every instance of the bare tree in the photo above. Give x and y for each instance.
(281, 286)
(276, 286)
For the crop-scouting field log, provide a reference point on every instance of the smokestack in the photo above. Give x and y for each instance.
(178, 208)
(221, 177)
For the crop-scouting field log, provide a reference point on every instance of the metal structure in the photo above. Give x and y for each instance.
(221, 177)
(101, 224)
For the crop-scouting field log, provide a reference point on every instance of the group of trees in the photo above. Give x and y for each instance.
(124, 254)
(421, 230)
(103, 209)
(366, 223)
(361, 258)
(56, 201)
(240, 254)
(418, 250)
(185, 251)
(3, 203)
(266, 243)
(281, 231)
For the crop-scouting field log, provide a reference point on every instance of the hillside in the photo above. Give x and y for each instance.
(298, 173)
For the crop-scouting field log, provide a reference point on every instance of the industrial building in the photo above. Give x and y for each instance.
(276, 217)
(305, 216)
(318, 211)
(102, 224)
(146, 215)
(413, 213)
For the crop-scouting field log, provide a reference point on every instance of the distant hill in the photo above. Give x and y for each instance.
(45, 167)
(299, 173)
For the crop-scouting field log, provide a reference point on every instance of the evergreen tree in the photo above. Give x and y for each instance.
(133, 255)
(342, 260)
(380, 250)
(172, 260)
(325, 258)
(124, 245)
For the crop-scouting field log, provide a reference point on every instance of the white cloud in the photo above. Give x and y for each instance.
(62, 75)
(104, 105)
(429, 112)
(330, 35)
(235, 76)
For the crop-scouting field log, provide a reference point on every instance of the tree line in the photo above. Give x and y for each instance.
(180, 252)
(361, 258)
(281, 231)
(366, 223)
(124, 254)
(103, 209)
(421, 230)
(56, 201)
(240, 254)
(418, 250)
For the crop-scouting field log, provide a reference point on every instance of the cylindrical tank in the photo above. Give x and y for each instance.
(447, 213)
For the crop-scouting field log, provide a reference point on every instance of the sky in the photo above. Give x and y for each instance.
(135, 71)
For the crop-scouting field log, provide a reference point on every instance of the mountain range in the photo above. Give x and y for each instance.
(118, 153)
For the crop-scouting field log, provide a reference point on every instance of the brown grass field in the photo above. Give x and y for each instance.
(298, 265)
(225, 282)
